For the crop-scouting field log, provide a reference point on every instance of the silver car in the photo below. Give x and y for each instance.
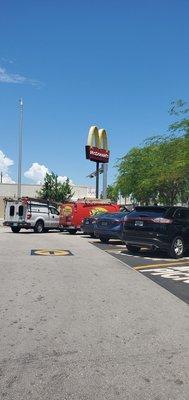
(30, 214)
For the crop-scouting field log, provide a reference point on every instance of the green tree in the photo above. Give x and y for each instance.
(112, 193)
(55, 191)
(158, 171)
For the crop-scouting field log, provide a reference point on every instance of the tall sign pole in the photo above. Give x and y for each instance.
(105, 179)
(97, 179)
(20, 148)
(97, 150)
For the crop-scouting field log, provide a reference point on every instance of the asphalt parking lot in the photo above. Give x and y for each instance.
(78, 324)
(171, 274)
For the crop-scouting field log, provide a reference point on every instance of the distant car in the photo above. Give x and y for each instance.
(110, 226)
(165, 228)
(88, 224)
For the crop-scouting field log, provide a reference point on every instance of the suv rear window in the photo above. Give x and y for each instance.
(20, 211)
(182, 214)
(148, 212)
(11, 211)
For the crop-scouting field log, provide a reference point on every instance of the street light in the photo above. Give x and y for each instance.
(20, 148)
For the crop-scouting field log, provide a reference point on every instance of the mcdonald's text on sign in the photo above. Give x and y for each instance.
(97, 145)
(96, 154)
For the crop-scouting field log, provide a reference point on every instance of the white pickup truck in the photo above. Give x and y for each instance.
(30, 214)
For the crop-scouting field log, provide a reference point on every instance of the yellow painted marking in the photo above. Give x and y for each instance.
(177, 263)
(53, 252)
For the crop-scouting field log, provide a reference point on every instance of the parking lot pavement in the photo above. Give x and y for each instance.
(76, 324)
(171, 274)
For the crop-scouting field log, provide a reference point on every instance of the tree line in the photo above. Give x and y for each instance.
(158, 170)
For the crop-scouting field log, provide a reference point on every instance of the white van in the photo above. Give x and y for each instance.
(30, 214)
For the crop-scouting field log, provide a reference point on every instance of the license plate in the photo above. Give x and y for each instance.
(15, 224)
(139, 223)
(103, 223)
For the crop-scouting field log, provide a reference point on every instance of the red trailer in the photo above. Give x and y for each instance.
(73, 213)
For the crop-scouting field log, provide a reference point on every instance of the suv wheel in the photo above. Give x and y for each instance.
(15, 229)
(103, 239)
(177, 247)
(39, 227)
(133, 249)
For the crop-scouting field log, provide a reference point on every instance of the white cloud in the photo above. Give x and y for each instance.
(7, 179)
(5, 163)
(7, 60)
(6, 77)
(37, 174)
(63, 179)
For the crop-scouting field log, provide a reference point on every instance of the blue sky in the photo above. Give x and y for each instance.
(114, 64)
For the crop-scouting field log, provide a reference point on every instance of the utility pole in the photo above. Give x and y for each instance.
(1, 177)
(20, 148)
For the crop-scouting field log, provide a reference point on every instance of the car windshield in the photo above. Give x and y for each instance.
(148, 212)
(97, 215)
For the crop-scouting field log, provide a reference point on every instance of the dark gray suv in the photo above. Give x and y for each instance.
(157, 227)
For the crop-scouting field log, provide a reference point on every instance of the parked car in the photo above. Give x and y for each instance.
(165, 228)
(30, 214)
(88, 224)
(73, 213)
(110, 226)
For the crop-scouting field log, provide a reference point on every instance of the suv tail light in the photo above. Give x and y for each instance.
(29, 215)
(162, 220)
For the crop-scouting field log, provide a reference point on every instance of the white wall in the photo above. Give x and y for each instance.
(10, 190)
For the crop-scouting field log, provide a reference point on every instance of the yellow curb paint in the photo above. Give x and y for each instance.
(177, 263)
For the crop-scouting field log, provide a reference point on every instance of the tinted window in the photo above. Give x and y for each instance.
(121, 214)
(148, 212)
(11, 211)
(182, 214)
(54, 211)
(20, 211)
(116, 215)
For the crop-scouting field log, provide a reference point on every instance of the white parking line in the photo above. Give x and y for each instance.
(147, 258)
(178, 273)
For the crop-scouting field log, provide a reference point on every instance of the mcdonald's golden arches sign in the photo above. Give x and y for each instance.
(97, 145)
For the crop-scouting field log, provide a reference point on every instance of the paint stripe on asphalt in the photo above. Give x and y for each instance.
(176, 263)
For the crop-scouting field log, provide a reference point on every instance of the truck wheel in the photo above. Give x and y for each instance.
(177, 247)
(39, 227)
(72, 231)
(15, 229)
(103, 239)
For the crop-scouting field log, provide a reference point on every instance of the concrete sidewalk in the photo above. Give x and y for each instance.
(86, 327)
